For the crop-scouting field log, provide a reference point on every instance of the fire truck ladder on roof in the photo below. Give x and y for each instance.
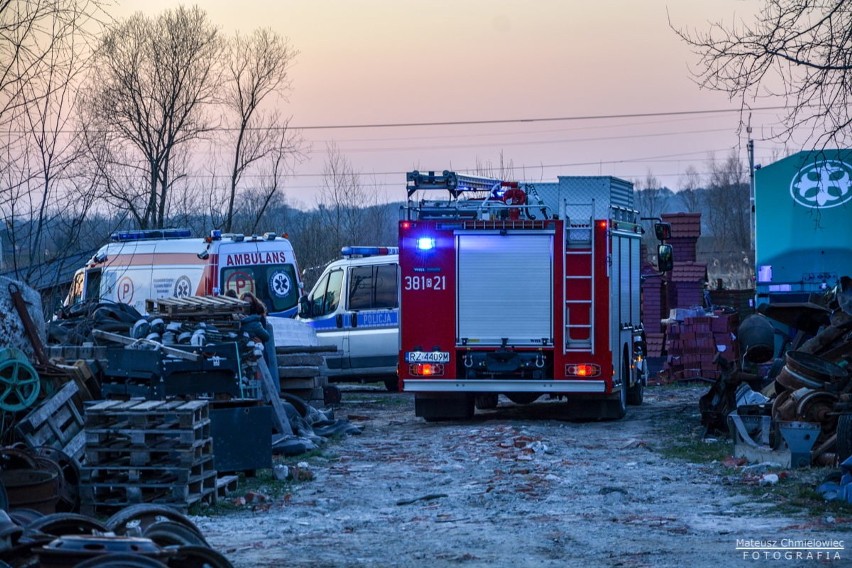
(450, 181)
(579, 283)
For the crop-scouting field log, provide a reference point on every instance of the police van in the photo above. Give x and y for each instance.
(354, 306)
(149, 264)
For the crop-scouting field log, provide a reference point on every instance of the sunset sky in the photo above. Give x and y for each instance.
(369, 62)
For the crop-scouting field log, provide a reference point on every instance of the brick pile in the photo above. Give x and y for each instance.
(692, 345)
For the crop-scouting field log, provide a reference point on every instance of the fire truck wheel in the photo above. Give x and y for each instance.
(392, 385)
(617, 405)
(636, 393)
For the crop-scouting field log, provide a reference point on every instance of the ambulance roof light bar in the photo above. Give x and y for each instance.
(149, 234)
(450, 181)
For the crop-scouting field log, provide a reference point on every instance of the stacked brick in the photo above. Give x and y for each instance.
(688, 281)
(686, 228)
(692, 345)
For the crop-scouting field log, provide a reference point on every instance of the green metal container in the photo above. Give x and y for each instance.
(803, 224)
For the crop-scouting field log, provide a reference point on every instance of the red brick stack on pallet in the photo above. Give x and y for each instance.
(692, 342)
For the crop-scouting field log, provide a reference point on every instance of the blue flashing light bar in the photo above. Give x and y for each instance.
(149, 234)
(368, 251)
(425, 243)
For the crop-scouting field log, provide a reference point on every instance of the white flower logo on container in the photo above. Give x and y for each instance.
(827, 183)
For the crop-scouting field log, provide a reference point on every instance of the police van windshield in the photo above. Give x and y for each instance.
(274, 284)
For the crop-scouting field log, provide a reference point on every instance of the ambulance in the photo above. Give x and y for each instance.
(150, 264)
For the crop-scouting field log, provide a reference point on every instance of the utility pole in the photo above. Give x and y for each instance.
(750, 147)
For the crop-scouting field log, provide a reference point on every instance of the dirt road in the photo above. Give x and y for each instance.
(517, 487)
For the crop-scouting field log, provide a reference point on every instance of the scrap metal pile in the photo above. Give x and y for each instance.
(140, 535)
(801, 402)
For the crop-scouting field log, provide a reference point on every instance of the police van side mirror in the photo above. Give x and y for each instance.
(304, 307)
(665, 258)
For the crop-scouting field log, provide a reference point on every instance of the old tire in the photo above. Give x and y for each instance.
(844, 437)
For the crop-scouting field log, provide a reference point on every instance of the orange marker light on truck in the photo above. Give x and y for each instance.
(583, 370)
(426, 369)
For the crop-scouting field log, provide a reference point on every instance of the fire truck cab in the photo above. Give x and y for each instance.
(522, 290)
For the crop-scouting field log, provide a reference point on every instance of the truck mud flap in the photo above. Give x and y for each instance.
(444, 406)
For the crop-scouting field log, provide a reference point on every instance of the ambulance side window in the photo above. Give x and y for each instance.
(93, 284)
(75, 296)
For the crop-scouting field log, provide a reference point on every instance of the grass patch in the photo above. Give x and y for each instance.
(680, 436)
(265, 483)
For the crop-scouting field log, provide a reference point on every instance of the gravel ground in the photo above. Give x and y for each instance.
(518, 487)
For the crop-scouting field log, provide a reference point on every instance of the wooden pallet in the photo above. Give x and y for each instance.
(156, 438)
(147, 476)
(226, 485)
(105, 499)
(147, 414)
(57, 423)
(131, 456)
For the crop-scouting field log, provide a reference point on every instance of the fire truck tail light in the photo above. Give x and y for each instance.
(406, 225)
(602, 224)
(583, 370)
(426, 369)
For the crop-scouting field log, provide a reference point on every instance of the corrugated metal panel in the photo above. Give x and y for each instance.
(571, 195)
(635, 288)
(625, 278)
(505, 288)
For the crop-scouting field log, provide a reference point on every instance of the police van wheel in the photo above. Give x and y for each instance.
(392, 385)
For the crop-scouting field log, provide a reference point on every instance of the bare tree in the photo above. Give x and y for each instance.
(689, 193)
(728, 217)
(257, 70)
(146, 99)
(796, 49)
(651, 199)
(44, 195)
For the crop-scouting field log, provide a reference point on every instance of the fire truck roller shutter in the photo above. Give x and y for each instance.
(505, 288)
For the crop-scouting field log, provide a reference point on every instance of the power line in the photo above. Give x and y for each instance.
(462, 122)
(529, 120)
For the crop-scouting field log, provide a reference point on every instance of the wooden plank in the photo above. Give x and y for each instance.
(270, 394)
(180, 354)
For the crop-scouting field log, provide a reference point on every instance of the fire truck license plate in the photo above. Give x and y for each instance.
(427, 357)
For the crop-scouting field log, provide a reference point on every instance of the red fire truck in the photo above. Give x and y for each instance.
(522, 290)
